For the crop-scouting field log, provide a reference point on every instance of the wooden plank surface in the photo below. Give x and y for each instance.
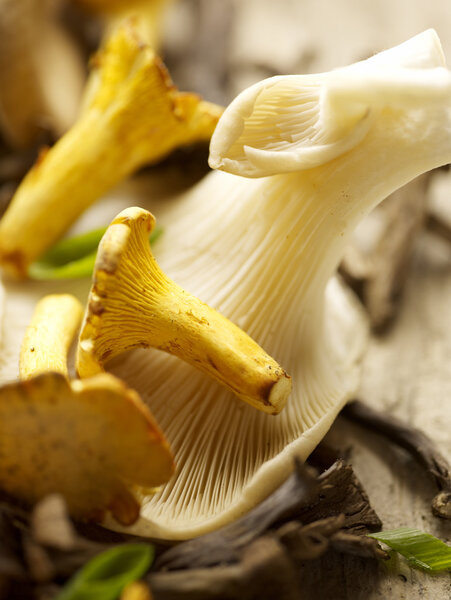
(408, 373)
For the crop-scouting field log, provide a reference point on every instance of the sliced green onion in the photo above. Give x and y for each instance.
(75, 247)
(73, 258)
(105, 576)
(422, 550)
(76, 269)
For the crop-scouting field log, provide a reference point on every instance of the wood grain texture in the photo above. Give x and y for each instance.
(408, 373)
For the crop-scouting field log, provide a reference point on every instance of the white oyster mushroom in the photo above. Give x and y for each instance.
(263, 251)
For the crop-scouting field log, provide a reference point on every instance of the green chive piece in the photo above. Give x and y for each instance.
(422, 550)
(105, 576)
(73, 258)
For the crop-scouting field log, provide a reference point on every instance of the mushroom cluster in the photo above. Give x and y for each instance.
(307, 157)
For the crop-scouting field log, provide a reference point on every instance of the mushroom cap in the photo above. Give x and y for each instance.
(87, 440)
(277, 126)
(296, 122)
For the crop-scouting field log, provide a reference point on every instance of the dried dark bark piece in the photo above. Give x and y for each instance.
(341, 492)
(438, 226)
(419, 445)
(265, 572)
(310, 541)
(301, 497)
(359, 545)
(378, 279)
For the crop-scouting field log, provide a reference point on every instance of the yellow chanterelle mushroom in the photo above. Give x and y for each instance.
(48, 337)
(134, 116)
(93, 441)
(134, 304)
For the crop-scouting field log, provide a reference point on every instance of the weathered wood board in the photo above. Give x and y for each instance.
(407, 373)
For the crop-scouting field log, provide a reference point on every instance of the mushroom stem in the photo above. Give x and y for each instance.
(134, 304)
(48, 337)
(135, 116)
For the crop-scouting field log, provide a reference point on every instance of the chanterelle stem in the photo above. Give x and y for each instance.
(49, 335)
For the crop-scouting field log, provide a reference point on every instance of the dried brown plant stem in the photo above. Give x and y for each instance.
(266, 571)
(404, 218)
(419, 445)
(438, 226)
(378, 278)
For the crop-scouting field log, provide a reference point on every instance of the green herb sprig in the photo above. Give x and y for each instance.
(105, 576)
(422, 550)
(73, 258)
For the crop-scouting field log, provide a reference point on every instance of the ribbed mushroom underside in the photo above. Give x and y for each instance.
(264, 263)
(229, 455)
(262, 258)
(284, 124)
(285, 116)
